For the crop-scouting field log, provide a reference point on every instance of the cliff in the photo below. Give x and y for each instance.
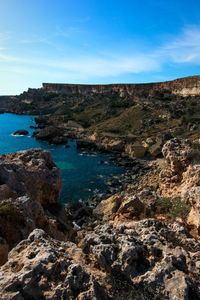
(183, 86)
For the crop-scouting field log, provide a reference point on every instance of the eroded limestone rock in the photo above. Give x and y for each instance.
(43, 268)
(31, 173)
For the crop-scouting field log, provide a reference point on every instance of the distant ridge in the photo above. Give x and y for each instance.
(183, 86)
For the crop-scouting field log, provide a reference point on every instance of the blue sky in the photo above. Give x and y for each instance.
(92, 41)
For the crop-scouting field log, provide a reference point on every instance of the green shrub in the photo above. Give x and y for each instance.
(8, 209)
(174, 207)
(164, 205)
(179, 209)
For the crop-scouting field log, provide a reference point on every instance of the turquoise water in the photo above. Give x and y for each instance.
(82, 174)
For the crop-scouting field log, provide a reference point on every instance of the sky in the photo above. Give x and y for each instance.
(93, 41)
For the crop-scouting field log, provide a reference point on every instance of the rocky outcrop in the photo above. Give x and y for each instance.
(51, 134)
(21, 132)
(146, 259)
(135, 150)
(30, 185)
(135, 260)
(131, 206)
(181, 177)
(31, 173)
(42, 268)
(182, 170)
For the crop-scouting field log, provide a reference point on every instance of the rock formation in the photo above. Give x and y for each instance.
(181, 177)
(31, 173)
(30, 185)
(137, 260)
(42, 268)
(21, 132)
(184, 86)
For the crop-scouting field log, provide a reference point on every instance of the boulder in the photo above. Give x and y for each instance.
(51, 134)
(132, 206)
(21, 132)
(135, 150)
(156, 149)
(107, 208)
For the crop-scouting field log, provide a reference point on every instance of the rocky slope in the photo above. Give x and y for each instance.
(133, 245)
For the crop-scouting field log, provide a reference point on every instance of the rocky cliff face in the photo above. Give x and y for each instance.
(20, 170)
(30, 185)
(184, 86)
(181, 177)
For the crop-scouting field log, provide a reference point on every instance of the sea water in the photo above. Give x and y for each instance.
(83, 175)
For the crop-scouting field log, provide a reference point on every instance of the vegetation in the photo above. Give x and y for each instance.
(8, 209)
(173, 207)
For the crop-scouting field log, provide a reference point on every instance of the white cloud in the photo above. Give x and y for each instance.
(105, 66)
(184, 48)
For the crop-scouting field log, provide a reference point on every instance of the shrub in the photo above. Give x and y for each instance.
(7, 209)
(174, 207)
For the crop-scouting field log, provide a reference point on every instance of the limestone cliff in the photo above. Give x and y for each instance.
(183, 86)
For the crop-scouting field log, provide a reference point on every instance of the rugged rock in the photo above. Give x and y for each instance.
(31, 173)
(193, 197)
(4, 248)
(146, 258)
(128, 206)
(42, 268)
(51, 134)
(181, 177)
(182, 170)
(108, 208)
(135, 150)
(30, 187)
(135, 260)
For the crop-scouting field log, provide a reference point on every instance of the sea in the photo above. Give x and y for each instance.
(83, 174)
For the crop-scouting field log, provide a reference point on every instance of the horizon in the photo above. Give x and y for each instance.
(97, 43)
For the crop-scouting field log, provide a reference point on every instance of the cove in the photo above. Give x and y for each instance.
(83, 175)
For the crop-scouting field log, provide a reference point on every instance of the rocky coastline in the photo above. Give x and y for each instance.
(131, 245)
(140, 241)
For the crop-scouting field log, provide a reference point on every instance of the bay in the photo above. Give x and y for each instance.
(82, 174)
